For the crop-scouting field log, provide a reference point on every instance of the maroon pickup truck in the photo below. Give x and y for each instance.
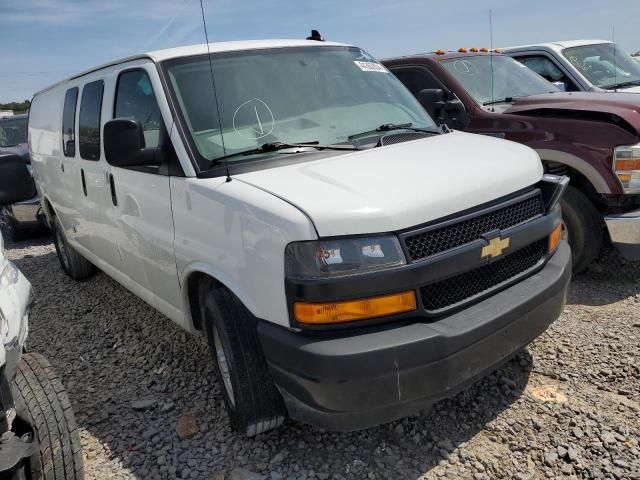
(592, 138)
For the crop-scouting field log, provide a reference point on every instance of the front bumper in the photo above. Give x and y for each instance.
(624, 231)
(346, 380)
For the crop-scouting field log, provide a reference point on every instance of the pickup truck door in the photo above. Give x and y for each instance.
(138, 209)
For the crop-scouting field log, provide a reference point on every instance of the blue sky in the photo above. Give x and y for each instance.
(44, 41)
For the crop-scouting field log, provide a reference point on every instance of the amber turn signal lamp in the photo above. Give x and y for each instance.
(440, 52)
(350, 310)
(626, 165)
(474, 50)
(462, 50)
(554, 238)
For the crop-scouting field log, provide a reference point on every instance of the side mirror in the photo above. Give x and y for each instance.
(124, 143)
(561, 86)
(455, 114)
(16, 183)
(430, 96)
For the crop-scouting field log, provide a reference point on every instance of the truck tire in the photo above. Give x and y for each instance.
(42, 403)
(73, 264)
(583, 224)
(252, 399)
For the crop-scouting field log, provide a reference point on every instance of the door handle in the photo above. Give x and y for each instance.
(112, 185)
(62, 166)
(84, 182)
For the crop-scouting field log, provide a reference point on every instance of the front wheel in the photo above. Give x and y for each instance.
(43, 411)
(582, 225)
(251, 397)
(73, 264)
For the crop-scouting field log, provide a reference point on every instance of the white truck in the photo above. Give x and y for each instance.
(348, 261)
(581, 65)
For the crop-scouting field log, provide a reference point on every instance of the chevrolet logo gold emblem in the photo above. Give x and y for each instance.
(496, 247)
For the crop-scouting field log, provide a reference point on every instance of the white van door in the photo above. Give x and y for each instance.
(138, 211)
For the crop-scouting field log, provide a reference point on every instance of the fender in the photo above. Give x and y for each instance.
(589, 172)
(218, 275)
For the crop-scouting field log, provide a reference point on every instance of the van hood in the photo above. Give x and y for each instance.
(399, 186)
(624, 105)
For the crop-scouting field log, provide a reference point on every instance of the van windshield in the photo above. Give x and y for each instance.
(318, 94)
(605, 65)
(511, 79)
(13, 131)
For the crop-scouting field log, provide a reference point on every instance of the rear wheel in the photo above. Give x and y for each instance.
(251, 397)
(73, 264)
(43, 411)
(583, 227)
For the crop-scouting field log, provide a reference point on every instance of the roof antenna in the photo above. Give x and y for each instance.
(615, 68)
(315, 35)
(491, 55)
(215, 96)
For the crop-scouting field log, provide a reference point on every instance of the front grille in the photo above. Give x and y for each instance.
(453, 291)
(438, 240)
(402, 137)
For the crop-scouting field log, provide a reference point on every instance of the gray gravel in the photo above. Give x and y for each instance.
(568, 407)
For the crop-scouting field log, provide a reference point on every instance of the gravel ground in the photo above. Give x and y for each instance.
(567, 407)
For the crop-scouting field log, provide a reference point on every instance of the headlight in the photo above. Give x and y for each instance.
(342, 257)
(626, 165)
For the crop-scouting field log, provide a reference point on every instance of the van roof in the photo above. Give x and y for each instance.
(199, 49)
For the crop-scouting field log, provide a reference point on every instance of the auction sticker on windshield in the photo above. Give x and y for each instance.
(370, 67)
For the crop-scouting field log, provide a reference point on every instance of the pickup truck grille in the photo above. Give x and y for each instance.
(451, 292)
(439, 239)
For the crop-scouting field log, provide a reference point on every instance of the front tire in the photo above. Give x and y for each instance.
(73, 264)
(43, 408)
(252, 399)
(583, 227)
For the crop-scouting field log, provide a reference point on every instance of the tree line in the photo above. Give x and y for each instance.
(17, 107)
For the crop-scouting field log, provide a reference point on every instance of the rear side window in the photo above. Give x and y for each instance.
(135, 100)
(89, 122)
(69, 122)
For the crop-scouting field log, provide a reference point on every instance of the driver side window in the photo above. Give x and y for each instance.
(136, 100)
(548, 70)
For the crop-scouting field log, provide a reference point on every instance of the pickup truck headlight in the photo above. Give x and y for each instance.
(626, 165)
(330, 258)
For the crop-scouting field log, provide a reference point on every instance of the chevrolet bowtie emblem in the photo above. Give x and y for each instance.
(495, 248)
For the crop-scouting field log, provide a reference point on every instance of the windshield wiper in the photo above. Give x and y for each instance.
(386, 127)
(630, 83)
(502, 100)
(275, 146)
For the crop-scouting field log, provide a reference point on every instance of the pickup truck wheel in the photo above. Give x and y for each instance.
(583, 224)
(73, 264)
(251, 397)
(44, 410)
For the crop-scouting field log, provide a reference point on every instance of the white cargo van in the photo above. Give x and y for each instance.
(348, 261)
